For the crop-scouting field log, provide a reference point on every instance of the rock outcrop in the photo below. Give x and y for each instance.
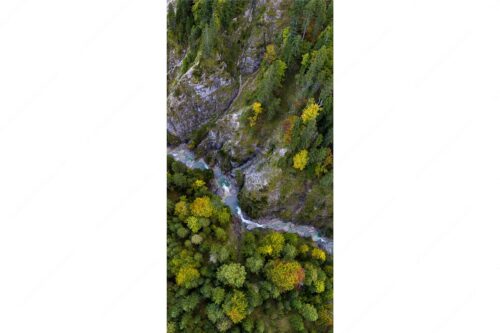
(194, 100)
(198, 96)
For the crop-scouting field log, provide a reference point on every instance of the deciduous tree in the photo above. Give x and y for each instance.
(286, 275)
(218, 295)
(193, 224)
(232, 274)
(309, 312)
(257, 110)
(202, 207)
(181, 209)
(300, 160)
(318, 254)
(235, 306)
(254, 264)
(187, 277)
(275, 241)
(196, 239)
(311, 111)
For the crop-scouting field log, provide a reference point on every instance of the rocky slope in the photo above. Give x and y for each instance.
(197, 97)
(204, 92)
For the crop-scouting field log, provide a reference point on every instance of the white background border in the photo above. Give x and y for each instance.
(417, 167)
(82, 166)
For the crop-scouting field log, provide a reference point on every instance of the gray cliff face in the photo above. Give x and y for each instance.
(263, 20)
(194, 100)
(198, 96)
(229, 139)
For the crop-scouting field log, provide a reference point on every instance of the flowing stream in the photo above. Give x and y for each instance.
(227, 189)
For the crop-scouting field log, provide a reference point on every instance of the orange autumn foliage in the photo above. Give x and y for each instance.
(288, 128)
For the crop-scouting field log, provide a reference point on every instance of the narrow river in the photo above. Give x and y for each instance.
(226, 188)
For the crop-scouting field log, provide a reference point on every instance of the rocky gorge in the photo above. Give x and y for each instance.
(208, 104)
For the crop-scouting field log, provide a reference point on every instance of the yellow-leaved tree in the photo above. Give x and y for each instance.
(257, 110)
(270, 54)
(318, 254)
(286, 275)
(311, 111)
(181, 209)
(199, 183)
(275, 241)
(236, 306)
(202, 207)
(187, 277)
(300, 160)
